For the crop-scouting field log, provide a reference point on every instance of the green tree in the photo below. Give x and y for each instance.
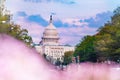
(104, 45)
(68, 57)
(85, 49)
(14, 30)
(108, 39)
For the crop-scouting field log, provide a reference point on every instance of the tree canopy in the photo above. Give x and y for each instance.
(108, 39)
(12, 29)
(104, 45)
(68, 57)
(85, 49)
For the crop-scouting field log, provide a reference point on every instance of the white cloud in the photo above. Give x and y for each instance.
(67, 13)
(68, 35)
(73, 35)
(74, 21)
(34, 29)
(82, 8)
(48, 1)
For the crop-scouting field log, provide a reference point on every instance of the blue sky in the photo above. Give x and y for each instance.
(73, 18)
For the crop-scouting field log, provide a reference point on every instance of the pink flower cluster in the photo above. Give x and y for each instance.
(18, 62)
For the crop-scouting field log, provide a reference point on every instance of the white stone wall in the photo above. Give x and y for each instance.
(68, 48)
(54, 51)
(39, 49)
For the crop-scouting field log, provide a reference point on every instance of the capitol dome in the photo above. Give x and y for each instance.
(50, 34)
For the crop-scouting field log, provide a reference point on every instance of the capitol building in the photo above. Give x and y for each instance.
(50, 46)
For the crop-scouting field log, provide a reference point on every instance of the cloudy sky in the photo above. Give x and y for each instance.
(73, 18)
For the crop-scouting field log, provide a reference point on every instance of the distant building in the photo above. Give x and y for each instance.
(49, 45)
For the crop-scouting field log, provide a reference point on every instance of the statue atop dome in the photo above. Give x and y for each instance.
(50, 18)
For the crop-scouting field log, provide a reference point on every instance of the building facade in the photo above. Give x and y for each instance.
(49, 45)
